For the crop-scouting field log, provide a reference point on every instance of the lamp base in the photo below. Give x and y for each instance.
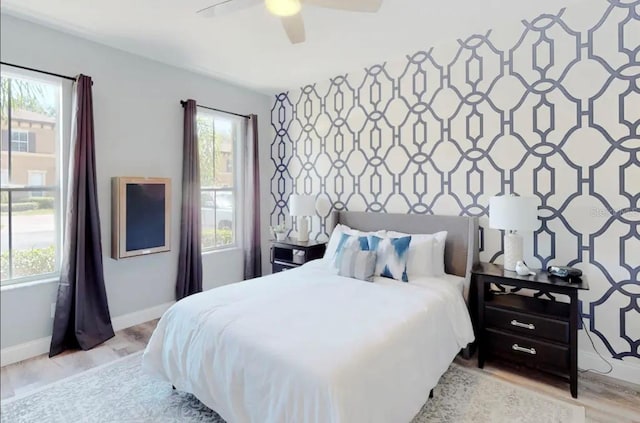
(512, 250)
(303, 229)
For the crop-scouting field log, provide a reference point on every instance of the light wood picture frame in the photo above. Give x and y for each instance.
(140, 216)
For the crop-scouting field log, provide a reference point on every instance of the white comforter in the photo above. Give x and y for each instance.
(308, 346)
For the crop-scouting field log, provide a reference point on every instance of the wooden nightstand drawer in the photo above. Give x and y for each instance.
(531, 352)
(527, 324)
(280, 267)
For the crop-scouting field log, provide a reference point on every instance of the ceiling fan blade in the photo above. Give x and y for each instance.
(294, 27)
(224, 7)
(370, 6)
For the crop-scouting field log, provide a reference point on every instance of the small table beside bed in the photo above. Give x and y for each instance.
(308, 345)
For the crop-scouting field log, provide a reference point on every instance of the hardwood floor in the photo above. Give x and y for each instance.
(41, 370)
(605, 399)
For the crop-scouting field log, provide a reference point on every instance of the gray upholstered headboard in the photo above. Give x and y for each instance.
(461, 249)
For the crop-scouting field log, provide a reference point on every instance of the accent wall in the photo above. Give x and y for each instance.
(547, 107)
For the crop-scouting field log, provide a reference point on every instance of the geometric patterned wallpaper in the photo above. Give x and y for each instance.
(552, 110)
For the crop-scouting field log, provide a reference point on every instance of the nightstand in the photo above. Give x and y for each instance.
(292, 253)
(533, 331)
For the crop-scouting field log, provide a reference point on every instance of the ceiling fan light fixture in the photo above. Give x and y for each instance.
(283, 7)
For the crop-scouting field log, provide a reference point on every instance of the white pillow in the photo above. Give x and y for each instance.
(426, 253)
(439, 242)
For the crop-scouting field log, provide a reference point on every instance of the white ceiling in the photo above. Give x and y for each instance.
(250, 48)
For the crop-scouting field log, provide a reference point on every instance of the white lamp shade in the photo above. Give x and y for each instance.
(302, 205)
(513, 213)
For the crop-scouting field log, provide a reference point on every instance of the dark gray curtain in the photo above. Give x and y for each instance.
(190, 259)
(82, 317)
(252, 253)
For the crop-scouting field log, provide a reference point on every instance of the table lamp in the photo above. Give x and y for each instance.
(302, 206)
(513, 214)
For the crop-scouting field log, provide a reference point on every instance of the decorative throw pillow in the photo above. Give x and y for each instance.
(426, 253)
(346, 243)
(391, 256)
(358, 264)
(336, 237)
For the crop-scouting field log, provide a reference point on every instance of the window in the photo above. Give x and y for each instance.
(19, 140)
(31, 184)
(219, 139)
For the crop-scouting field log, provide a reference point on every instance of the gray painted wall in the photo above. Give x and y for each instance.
(138, 122)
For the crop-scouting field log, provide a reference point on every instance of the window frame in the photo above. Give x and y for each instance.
(238, 140)
(62, 161)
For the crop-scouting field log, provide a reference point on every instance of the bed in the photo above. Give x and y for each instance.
(307, 345)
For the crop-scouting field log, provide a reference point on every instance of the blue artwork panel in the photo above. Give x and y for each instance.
(145, 216)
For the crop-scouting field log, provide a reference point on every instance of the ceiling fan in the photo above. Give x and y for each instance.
(289, 11)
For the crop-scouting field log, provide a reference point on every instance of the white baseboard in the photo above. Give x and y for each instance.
(623, 370)
(20, 352)
(30, 349)
(137, 317)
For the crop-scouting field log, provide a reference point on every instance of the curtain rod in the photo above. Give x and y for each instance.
(182, 102)
(71, 78)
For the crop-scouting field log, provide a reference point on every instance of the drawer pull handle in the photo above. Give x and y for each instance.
(517, 347)
(523, 325)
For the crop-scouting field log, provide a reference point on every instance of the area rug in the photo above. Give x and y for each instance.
(121, 392)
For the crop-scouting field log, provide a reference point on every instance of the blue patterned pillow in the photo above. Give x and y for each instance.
(391, 256)
(349, 241)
